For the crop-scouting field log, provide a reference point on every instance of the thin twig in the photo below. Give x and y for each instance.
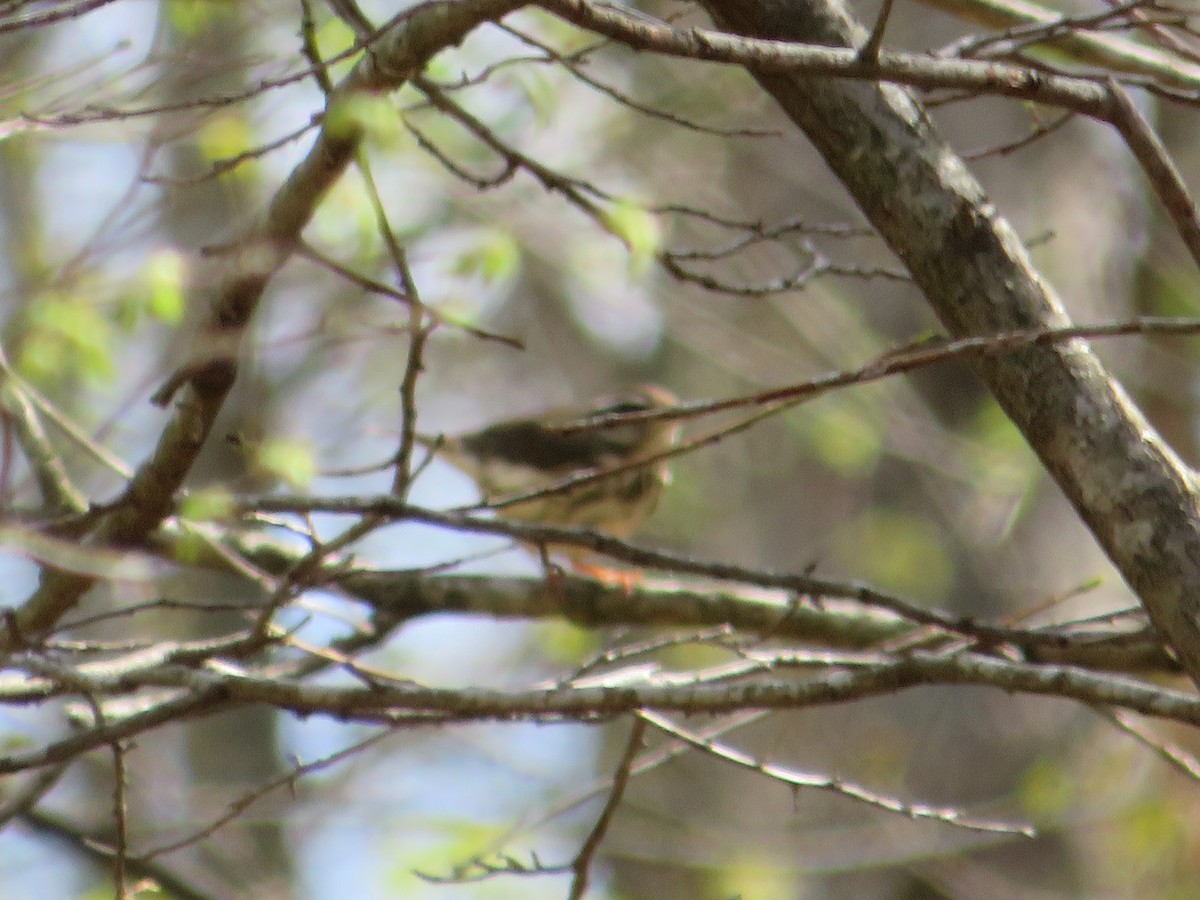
(120, 819)
(1160, 169)
(774, 401)
(21, 801)
(58, 492)
(869, 52)
(581, 865)
(839, 786)
(1170, 752)
(238, 807)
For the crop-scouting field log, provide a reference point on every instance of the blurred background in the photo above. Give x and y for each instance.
(918, 485)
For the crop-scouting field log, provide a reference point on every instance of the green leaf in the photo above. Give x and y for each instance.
(1169, 291)
(190, 17)
(541, 93)
(494, 257)
(142, 889)
(190, 548)
(207, 504)
(165, 276)
(376, 116)
(441, 849)
(564, 642)
(11, 742)
(223, 136)
(994, 430)
(334, 37)
(554, 31)
(897, 551)
(290, 460)
(754, 874)
(158, 293)
(67, 337)
(638, 229)
(844, 439)
(1046, 790)
(443, 68)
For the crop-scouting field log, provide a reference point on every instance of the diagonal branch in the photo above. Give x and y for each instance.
(412, 39)
(58, 491)
(836, 785)
(1139, 500)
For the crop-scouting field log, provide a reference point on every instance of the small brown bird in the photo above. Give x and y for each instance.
(519, 456)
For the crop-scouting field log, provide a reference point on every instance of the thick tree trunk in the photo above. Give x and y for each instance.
(1135, 495)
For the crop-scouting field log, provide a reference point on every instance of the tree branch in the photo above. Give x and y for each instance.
(258, 254)
(784, 51)
(1135, 495)
(844, 678)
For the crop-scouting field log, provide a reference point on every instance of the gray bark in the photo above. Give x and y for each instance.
(1132, 491)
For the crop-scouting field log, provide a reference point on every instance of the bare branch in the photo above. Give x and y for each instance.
(1134, 493)
(849, 678)
(260, 253)
(1170, 752)
(571, 64)
(1104, 51)
(243, 803)
(839, 786)
(1164, 177)
(581, 865)
(59, 494)
(775, 57)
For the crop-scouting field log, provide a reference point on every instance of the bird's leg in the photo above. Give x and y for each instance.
(553, 572)
(627, 579)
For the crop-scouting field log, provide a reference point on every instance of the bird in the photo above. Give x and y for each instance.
(515, 457)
